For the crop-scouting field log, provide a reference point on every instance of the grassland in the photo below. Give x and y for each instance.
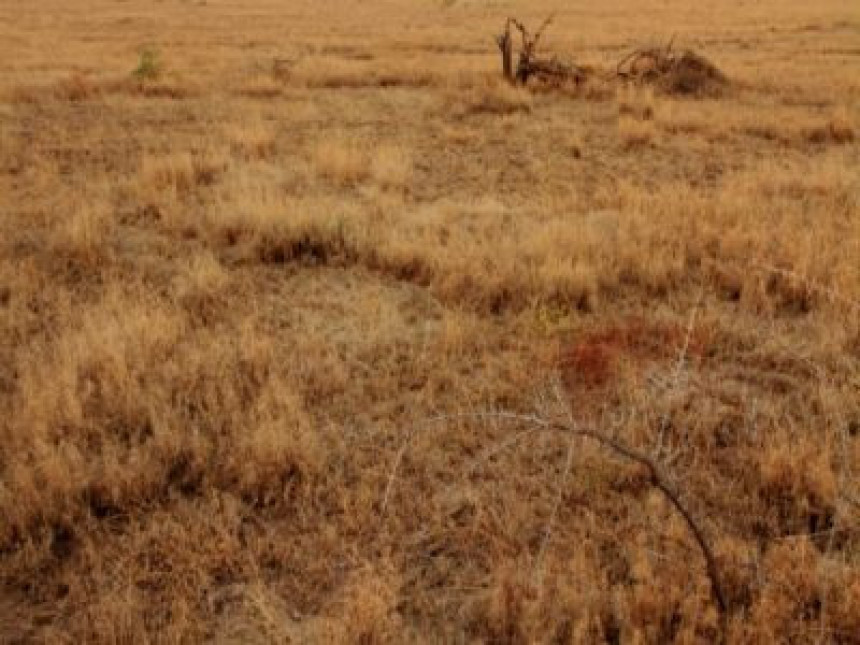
(272, 275)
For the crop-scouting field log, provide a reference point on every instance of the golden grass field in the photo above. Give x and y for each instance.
(277, 277)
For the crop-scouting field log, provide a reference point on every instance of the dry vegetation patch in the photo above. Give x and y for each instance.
(315, 328)
(687, 73)
(341, 161)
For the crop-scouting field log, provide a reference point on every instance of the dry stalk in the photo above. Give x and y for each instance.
(677, 372)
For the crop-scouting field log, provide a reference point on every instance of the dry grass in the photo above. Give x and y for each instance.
(637, 102)
(253, 139)
(635, 132)
(235, 294)
(83, 234)
(391, 167)
(341, 161)
(490, 96)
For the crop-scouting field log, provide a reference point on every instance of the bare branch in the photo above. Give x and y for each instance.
(625, 60)
(657, 479)
(529, 65)
(540, 30)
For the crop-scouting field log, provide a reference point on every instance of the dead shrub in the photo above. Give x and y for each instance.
(687, 73)
(694, 75)
(549, 72)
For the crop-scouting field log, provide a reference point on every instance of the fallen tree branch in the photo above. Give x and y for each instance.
(529, 65)
(656, 478)
(549, 70)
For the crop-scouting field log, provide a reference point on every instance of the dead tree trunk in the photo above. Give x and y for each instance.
(505, 44)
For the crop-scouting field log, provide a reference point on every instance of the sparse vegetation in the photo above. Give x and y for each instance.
(321, 334)
(149, 67)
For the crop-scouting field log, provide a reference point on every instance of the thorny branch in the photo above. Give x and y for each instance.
(656, 477)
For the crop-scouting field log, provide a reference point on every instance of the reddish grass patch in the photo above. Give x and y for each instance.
(590, 363)
(594, 360)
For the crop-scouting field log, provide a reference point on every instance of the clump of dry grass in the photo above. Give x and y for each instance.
(636, 133)
(252, 140)
(200, 288)
(100, 375)
(84, 233)
(490, 97)
(638, 111)
(693, 74)
(183, 172)
(369, 607)
(391, 167)
(341, 161)
(205, 274)
(637, 102)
